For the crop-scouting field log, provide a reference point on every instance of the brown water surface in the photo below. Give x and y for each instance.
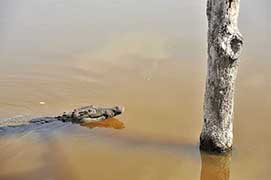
(148, 56)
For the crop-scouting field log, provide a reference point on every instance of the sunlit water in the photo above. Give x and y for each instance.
(148, 56)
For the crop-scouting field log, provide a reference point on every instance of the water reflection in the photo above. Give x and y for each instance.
(108, 123)
(215, 167)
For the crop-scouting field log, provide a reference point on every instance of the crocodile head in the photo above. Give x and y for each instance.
(118, 110)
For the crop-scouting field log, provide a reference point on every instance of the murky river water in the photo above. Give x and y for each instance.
(149, 56)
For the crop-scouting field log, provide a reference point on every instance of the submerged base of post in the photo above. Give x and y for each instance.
(216, 140)
(212, 146)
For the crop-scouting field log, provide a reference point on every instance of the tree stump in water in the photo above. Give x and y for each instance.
(224, 48)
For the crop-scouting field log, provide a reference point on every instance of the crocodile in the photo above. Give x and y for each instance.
(89, 114)
(84, 116)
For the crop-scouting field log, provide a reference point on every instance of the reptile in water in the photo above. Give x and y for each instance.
(83, 115)
(90, 113)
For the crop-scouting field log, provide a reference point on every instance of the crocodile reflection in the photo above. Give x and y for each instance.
(108, 123)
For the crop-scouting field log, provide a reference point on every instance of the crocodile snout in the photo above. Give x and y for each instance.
(118, 110)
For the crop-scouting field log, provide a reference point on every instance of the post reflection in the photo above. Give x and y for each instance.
(215, 167)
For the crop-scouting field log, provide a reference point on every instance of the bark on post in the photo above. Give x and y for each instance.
(224, 48)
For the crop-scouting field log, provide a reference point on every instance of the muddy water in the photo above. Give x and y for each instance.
(147, 56)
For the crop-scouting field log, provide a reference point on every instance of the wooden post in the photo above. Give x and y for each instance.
(224, 48)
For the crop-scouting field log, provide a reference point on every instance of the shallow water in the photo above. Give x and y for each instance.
(149, 56)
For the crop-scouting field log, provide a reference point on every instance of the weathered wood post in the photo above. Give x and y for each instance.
(224, 48)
